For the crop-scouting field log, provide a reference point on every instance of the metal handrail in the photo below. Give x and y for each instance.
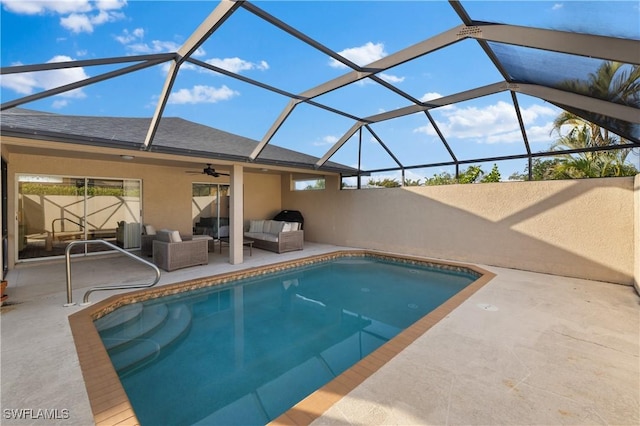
(61, 219)
(67, 255)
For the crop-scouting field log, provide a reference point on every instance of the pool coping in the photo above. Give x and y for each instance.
(108, 399)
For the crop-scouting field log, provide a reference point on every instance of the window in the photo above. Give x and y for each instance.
(308, 183)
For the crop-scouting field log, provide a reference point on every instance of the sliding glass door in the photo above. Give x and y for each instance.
(210, 209)
(55, 210)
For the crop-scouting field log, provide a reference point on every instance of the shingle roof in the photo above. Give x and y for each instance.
(174, 136)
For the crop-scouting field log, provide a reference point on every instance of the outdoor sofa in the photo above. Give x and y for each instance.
(275, 235)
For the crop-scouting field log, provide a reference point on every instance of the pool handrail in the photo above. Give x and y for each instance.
(67, 255)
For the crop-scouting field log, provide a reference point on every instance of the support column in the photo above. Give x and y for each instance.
(636, 232)
(236, 221)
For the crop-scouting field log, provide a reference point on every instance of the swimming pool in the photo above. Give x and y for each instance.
(240, 349)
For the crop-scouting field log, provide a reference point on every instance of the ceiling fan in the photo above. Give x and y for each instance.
(209, 171)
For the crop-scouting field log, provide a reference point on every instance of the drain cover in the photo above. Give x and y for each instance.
(487, 307)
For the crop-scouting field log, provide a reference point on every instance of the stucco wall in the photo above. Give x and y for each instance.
(578, 228)
(636, 233)
(262, 198)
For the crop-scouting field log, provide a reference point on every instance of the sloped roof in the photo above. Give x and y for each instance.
(174, 136)
(531, 61)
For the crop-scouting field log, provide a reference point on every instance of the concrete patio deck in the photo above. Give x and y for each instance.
(527, 348)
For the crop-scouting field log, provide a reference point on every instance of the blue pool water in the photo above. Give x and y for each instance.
(244, 353)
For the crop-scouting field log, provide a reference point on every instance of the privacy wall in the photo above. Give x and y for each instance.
(578, 228)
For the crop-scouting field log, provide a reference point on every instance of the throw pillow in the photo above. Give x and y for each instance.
(164, 235)
(149, 230)
(175, 237)
(275, 227)
(286, 227)
(256, 225)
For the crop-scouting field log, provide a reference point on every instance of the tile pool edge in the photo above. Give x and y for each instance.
(108, 399)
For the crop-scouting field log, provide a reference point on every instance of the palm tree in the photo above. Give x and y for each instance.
(612, 81)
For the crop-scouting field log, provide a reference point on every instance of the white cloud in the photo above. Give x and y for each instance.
(361, 55)
(185, 66)
(202, 94)
(76, 15)
(111, 4)
(102, 17)
(133, 43)
(28, 83)
(237, 65)
(83, 22)
(129, 37)
(32, 82)
(538, 134)
(39, 7)
(199, 52)
(326, 140)
(557, 6)
(532, 113)
(23, 83)
(429, 96)
(364, 55)
(495, 123)
(60, 103)
(156, 46)
(77, 23)
(391, 78)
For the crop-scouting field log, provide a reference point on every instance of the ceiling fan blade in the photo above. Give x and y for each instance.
(209, 171)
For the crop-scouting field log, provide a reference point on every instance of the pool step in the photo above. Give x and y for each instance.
(149, 319)
(143, 349)
(125, 315)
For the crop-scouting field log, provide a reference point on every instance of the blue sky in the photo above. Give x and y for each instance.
(363, 31)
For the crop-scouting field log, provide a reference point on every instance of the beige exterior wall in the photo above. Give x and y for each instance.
(578, 228)
(263, 196)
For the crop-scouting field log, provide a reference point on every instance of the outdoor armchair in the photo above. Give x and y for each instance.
(172, 251)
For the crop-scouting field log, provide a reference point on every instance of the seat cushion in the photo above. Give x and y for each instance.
(261, 236)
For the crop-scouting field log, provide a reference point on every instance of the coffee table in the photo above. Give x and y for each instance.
(245, 242)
